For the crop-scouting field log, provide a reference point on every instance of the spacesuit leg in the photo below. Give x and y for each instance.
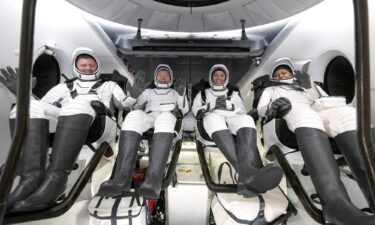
(32, 161)
(216, 128)
(71, 133)
(130, 138)
(324, 172)
(251, 175)
(341, 124)
(161, 144)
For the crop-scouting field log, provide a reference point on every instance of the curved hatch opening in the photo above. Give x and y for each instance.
(47, 73)
(339, 78)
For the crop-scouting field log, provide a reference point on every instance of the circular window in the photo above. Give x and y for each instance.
(47, 73)
(339, 78)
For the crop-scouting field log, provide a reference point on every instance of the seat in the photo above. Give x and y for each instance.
(226, 205)
(101, 208)
(175, 149)
(101, 128)
(281, 143)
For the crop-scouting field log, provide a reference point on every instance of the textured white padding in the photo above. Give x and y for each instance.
(248, 208)
(102, 211)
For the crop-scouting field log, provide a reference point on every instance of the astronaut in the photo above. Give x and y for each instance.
(314, 116)
(160, 104)
(69, 104)
(224, 115)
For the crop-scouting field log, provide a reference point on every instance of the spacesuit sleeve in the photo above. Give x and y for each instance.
(121, 100)
(142, 99)
(198, 104)
(264, 102)
(238, 103)
(56, 94)
(182, 103)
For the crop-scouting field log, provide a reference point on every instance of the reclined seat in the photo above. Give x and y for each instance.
(272, 207)
(130, 206)
(102, 132)
(280, 142)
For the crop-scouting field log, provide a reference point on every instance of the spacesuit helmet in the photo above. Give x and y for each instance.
(166, 84)
(223, 85)
(283, 71)
(85, 53)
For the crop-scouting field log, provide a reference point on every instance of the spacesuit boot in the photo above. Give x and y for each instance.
(122, 179)
(251, 172)
(32, 161)
(317, 154)
(349, 146)
(252, 179)
(71, 134)
(161, 145)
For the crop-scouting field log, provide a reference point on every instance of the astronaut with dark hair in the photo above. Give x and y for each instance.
(314, 116)
(224, 115)
(70, 105)
(160, 104)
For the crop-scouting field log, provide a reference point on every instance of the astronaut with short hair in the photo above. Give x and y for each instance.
(224, 115)
(70, 105)
(160, 103)
(314, 116)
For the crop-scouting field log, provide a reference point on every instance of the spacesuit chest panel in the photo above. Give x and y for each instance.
(212, 94)
(295, 96)
(159, 98)
(93, 90)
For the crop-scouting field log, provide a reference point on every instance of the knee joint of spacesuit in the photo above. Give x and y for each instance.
(303, 118)
(241, 121)
(36, 110)
(165, 122)
(213, 122)
(134, 121)
(342, 121)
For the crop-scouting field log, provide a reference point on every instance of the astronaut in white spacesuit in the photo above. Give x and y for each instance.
(160, 103)
(314, 116)
(224, 115)
(69, 103)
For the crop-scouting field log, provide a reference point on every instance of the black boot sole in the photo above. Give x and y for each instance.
(266, 179)
(108, 189)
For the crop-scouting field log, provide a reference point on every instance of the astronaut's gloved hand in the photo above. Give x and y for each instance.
(303, 79)
(221, 103)
(229, 105)
(200, 114)
(279, 108)
(9, 78)
(177, 113)
(138, 86)
(180, 86)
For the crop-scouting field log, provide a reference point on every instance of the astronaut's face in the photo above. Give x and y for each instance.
(163, 77)
(282, 74)
(86, 65)
(218, 77)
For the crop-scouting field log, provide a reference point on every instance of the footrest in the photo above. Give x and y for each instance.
(130, 208)
(235, 209)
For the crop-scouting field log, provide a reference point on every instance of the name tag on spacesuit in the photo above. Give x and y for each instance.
(167, 107)
(328, 102)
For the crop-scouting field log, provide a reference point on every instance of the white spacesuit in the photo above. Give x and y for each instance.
(314, 116)
(159, 103)
(224, 114)
(69, 105)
